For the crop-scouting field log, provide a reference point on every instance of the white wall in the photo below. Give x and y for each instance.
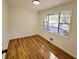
(22, 22)
(4, 24)
(67, 44)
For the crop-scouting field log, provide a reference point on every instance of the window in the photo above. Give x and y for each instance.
(58, 23)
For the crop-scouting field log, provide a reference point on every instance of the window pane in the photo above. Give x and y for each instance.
(45, 22)
(64, 23)
(53, 23)
(65, 18)
(64, 29)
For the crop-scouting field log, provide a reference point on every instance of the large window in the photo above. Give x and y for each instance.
(58, 23)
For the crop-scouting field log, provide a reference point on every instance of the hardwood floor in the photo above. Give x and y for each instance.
(34, 47)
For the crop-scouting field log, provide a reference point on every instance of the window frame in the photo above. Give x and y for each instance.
(59, 24)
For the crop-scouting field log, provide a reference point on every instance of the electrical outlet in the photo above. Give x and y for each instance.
(51, 39)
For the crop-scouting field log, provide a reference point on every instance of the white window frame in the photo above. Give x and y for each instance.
(59, 23)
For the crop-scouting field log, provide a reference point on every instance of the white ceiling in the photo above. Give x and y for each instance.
(44, 4)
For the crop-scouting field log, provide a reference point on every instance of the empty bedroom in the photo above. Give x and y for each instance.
(39, 29)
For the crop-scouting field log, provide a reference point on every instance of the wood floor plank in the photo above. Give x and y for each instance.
(34, 47)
